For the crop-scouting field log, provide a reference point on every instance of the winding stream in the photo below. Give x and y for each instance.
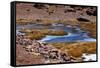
(74, 34)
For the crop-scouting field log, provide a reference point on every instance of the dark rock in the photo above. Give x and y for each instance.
(83, 58)
(83, 19)
(65, 57)
(39, 6)
(91, 12)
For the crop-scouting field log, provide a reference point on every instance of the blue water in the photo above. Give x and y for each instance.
(67, 38)
(75, 34)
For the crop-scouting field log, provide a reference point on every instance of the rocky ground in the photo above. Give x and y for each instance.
(25, 58)
(37, 12)
(29, 51)
(35, 52)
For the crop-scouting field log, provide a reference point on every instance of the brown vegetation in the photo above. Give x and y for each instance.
(46, 22)
(89, 26)
(38, 34)
(77, 49)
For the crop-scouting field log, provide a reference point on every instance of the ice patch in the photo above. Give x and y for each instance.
(88, 57)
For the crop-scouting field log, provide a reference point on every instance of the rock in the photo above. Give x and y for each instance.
(39, 6)
(83, 19)
(92, 12)
(69, 10)
(65, 57)
(52, 55)
(83, 58)
(51, 10)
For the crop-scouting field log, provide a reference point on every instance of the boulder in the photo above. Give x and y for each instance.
(83, 19)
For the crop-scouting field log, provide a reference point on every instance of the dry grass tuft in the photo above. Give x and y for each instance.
(77, 49)
(89, 26)
(39, 34)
